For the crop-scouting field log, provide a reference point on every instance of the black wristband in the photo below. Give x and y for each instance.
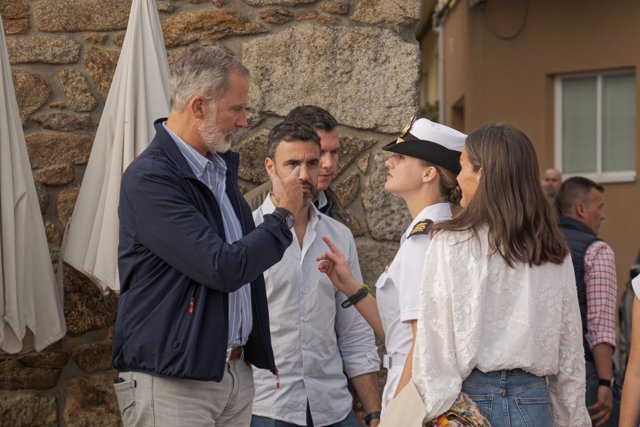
(371, 416)
(606, 383)
(355, 298)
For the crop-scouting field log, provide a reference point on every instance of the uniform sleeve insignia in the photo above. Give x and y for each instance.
(421, 227)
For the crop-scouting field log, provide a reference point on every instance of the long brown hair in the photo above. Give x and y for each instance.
(509, 199)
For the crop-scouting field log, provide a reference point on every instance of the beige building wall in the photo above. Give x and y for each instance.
(512, 81)
(429, 77)
(429, 91)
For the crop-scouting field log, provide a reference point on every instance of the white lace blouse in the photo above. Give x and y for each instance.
(477, 312)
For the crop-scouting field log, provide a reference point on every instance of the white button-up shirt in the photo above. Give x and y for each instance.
(315, 341)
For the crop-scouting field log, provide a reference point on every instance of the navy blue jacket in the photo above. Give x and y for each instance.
(173, 255)
(579, 237)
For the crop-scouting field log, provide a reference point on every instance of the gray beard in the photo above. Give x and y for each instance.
(212, 137)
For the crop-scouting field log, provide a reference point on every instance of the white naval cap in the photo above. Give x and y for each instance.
(430, 141)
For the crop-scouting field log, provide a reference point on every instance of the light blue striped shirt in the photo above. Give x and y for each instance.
(211, 172)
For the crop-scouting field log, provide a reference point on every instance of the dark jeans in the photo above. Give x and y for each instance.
(256, 421)
(592, 392)
(513, 398)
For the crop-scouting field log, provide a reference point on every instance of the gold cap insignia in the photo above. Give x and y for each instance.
(406, 129)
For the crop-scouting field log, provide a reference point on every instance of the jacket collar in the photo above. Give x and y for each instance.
(571, 223)
(166, 143)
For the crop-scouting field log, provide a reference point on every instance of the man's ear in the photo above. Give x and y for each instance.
(196, 106)
(581, 209)
(269, 165)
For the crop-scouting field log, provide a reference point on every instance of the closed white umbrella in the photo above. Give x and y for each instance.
(138, 95)
(31, 311)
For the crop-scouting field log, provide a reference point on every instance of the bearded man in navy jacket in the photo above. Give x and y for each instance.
(192, 316)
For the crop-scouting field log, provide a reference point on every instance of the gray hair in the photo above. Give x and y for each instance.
(202, 70)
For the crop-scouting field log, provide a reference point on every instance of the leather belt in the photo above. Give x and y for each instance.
(234, 353)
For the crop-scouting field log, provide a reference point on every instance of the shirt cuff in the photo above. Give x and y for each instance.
(356, 365)
(595, 339)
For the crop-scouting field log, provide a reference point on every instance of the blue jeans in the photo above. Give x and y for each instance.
(256, 421)
(513, 398)
(592, 392)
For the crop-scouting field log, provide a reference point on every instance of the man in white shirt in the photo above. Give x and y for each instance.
(326, 126)
(316, 341)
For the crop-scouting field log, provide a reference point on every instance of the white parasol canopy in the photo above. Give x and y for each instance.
(30, 299)
(139, 94)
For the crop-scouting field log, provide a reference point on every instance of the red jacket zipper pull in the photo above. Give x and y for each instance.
(192, 305)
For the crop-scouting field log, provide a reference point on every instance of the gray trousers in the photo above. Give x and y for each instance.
(147, 400)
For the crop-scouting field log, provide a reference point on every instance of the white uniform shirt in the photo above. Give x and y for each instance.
(315, 341)
(397, 292)
(477, 312)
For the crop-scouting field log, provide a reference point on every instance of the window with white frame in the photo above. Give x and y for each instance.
(596, 125)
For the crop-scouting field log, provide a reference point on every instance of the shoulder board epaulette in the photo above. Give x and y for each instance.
(421, 228)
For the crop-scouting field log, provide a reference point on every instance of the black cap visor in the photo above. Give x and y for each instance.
(429, 151)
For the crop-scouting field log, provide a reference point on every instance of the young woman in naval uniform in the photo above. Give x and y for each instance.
(422, 171)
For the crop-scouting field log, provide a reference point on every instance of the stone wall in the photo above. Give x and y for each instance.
(357, 58)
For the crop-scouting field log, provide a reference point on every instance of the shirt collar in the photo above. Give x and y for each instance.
(197, 161)
(321, 200)
(267, 206)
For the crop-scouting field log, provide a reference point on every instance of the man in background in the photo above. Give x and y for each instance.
(551, 183)
(580, 204)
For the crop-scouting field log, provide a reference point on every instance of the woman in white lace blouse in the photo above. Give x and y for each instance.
(498, 314)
